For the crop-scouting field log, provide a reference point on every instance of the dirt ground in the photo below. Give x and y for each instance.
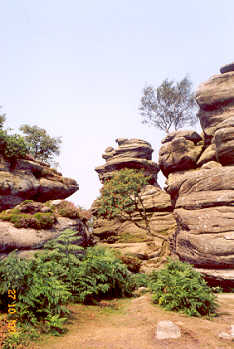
(131, 324)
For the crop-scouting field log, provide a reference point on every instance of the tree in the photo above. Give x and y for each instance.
(121, 197)
(171, 104)
(40, 144)
(13, 146)
(2, 120)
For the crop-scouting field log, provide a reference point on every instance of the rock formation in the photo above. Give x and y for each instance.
(133, 153)
(31, 179)
(125, 235)
(28, 179)
(199, 192)
(202, 187)
(28, 240)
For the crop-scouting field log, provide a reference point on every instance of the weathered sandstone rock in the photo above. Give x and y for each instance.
(31, 180)
(180, 151)
(204, 212)
(224, 142)
(227, 68)
(133, 153)
(209, 154)
(218, 277)
(202, 187)
(210, 164)
(216, 100)
(132, 148)
(28, 239)
(167, 329)
(217, 91)
(122, 234)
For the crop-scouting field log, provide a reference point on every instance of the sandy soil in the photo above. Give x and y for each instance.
(131, 324)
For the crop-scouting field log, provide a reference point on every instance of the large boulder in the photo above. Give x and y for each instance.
(28, 240)
(216, 101)
(209, 154)
(31, 179)
(224, 142)
(131, 153)
(202, 188)
(180, 151)
(203, 201)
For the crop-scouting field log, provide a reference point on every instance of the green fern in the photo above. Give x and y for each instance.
(62, 273)
(181, 288)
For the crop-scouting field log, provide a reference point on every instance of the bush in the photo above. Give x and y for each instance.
(63, 273)
(39, 298)
(67, 209)
(101, 274)
(90, 274)
(141, 280)
(44, 220)
(12, 146)
(180, 288)
(23, 220)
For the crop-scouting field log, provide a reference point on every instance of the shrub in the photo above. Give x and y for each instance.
(40, 299)
(102, 274)
(64, 272)
(180, 287)
(67, 209)
(44, 220)
(23, 220)
(90, 274)
(141, 280)
(12, 146)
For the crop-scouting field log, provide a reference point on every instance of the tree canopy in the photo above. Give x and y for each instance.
(172, 104)
(121, 196)
(12, 146)
(2, 119)
(42, 146)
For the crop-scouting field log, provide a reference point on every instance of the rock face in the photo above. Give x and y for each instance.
(28, 240)
(196, 210)
(30, 179)
(202, 189)
(216, 101)
(133, 153)
(180, 151)
(125, 236)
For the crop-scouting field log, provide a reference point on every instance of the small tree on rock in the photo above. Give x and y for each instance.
(121, 197)
(41, 145)
(2, 119)
(170, 105)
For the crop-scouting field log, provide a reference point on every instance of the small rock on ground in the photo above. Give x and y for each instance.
(167, 329)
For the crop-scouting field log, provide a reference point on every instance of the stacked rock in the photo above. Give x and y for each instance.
(200, 181)
(125, 235)
(31, 180)
(131, 153)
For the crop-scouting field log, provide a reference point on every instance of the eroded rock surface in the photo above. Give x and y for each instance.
(216, 101)
(180, 151)
(125, 235)
(202, 194)
(30, 179)
(131, 153)
(196, 210)
(29, 240)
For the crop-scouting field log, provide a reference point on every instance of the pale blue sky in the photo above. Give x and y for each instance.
(77, 68)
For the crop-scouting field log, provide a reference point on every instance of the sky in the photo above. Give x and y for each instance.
(78, 68)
